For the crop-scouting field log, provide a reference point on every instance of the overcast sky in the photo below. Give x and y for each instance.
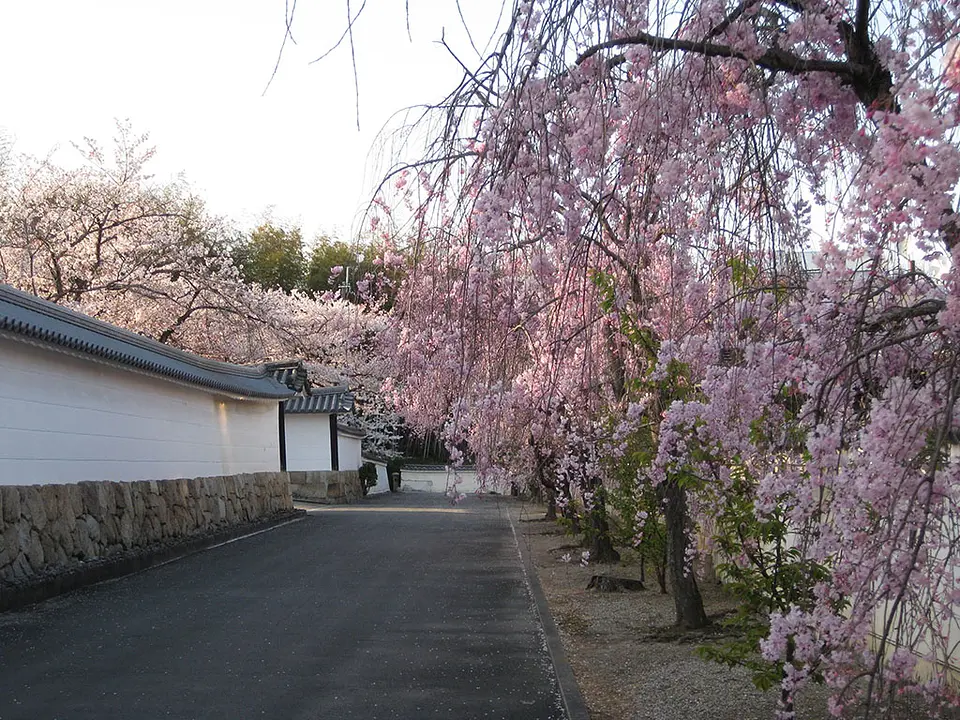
(192, 73)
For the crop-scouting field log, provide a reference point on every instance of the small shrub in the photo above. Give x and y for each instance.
(368, 476)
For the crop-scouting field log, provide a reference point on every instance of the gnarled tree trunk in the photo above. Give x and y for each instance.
(551, 503)
(683, 582)
(601, 546)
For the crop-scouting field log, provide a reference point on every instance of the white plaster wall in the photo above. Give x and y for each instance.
(66, 419)
(348, 452)
(439, 480)
(308, 442)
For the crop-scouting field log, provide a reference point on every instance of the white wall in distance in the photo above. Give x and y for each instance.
(66, 419)
(308, 442)
(439, 481)
(348, 452)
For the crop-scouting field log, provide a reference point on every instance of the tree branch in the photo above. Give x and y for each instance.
(862, 20)
(923, 308)
(772, 59)
(288, 13)
(731, 18)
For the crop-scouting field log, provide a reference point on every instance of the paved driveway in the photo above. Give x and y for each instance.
(398, 607)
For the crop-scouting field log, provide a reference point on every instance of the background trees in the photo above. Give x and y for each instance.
(103, 238)
(277, 258)
(271, 257)
(107, 240)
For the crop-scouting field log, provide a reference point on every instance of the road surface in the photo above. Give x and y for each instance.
(398, 607)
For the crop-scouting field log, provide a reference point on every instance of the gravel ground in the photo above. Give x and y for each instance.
(624, 669)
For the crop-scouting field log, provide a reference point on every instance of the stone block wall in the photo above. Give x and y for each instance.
(326, 486)
(51, 528)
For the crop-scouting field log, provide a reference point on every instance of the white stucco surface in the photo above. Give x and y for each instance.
(439, 481)
(67, 419)
(348, 451)
(308, 441)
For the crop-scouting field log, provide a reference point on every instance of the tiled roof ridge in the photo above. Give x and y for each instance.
(332, 390)
(437, 466)
(253, 381)
(336, 399)
(291, 373)
(351, 430)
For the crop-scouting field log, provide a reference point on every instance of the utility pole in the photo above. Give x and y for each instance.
(345, 285)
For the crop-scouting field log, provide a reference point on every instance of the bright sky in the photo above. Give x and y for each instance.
(191, 73)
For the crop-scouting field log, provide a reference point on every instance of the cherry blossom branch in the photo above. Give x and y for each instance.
(942, 434)
(734, 15)
(829, 380)
(924, 308)
(772, 59)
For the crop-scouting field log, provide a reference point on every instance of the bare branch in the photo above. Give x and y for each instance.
(343, 37)
(353, 62)
(289, 10)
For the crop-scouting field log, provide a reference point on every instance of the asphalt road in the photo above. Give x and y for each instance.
(398, 607)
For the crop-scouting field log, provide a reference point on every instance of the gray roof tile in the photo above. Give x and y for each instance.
(321, 400)
(291, 373)
(424, 467)
(30, 319)
(351, 431)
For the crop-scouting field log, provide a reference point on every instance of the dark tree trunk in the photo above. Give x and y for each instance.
(548, 487)
(571, 516)
(602, 550)
(601, 546)
(660, 564)
(662, 578)
(683, 582)
(562, 489)
(551, 504)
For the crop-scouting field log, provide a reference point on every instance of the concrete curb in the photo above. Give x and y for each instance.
(15, 596)
(573, 702)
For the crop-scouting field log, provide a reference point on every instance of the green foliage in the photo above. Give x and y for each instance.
(569, 518)
(358, 263)
(275, 258)
(745, 273)
(328, 254)
(677, 384)
(641, 337)
(368, 476)
(271, 257)
(764, 571)
(638, 523)
(637, 520)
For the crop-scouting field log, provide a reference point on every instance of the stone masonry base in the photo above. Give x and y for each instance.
(51, 529)
(326, 486)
